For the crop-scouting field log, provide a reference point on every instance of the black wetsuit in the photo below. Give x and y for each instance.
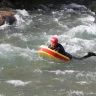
(59, 48)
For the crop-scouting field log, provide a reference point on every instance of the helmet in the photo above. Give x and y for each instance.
(54, 39)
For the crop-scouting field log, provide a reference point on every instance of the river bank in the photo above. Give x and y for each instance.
(34, 4)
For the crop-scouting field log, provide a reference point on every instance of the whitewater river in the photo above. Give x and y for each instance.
(24, 73)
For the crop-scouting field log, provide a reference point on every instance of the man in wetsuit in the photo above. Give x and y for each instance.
(54, 45)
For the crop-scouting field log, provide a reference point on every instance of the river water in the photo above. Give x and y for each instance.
(24, 73)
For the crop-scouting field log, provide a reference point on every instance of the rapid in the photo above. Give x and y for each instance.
(24, 73)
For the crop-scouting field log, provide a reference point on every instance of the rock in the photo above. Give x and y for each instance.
(7, 16)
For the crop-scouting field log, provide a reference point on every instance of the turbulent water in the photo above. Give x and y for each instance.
(24, 73)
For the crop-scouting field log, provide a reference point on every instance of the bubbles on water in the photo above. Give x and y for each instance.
(87, 20)
(38, 70)
(4, 26)
(58, 72)
(73, 92)
(82, 83)
(10, 52)
(18, 82)
(23, 12)
(23, 18)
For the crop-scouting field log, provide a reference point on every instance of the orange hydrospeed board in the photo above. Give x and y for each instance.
(45, 51)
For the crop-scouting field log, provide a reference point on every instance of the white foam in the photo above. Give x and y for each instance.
(9, 51)
(18, 35)
(4, 26)
(77, 93)
(87, 19)
(23, 18)
(82, 82)
(62, 72)
(20, 21)
(89, 77)
(91, 29)
(38, 70)
(23, 12)
(2, 95)
(80, 37)
(77, 44)
(18, 82)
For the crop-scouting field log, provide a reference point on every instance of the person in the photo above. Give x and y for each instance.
(54, 45)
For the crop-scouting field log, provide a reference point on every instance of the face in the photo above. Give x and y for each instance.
(53, 45)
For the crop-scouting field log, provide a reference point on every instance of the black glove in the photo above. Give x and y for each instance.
(91, 54)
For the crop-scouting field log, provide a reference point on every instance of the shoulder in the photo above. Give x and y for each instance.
(59, 45)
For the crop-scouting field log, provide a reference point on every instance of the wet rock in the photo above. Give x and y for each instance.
(7, 16)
